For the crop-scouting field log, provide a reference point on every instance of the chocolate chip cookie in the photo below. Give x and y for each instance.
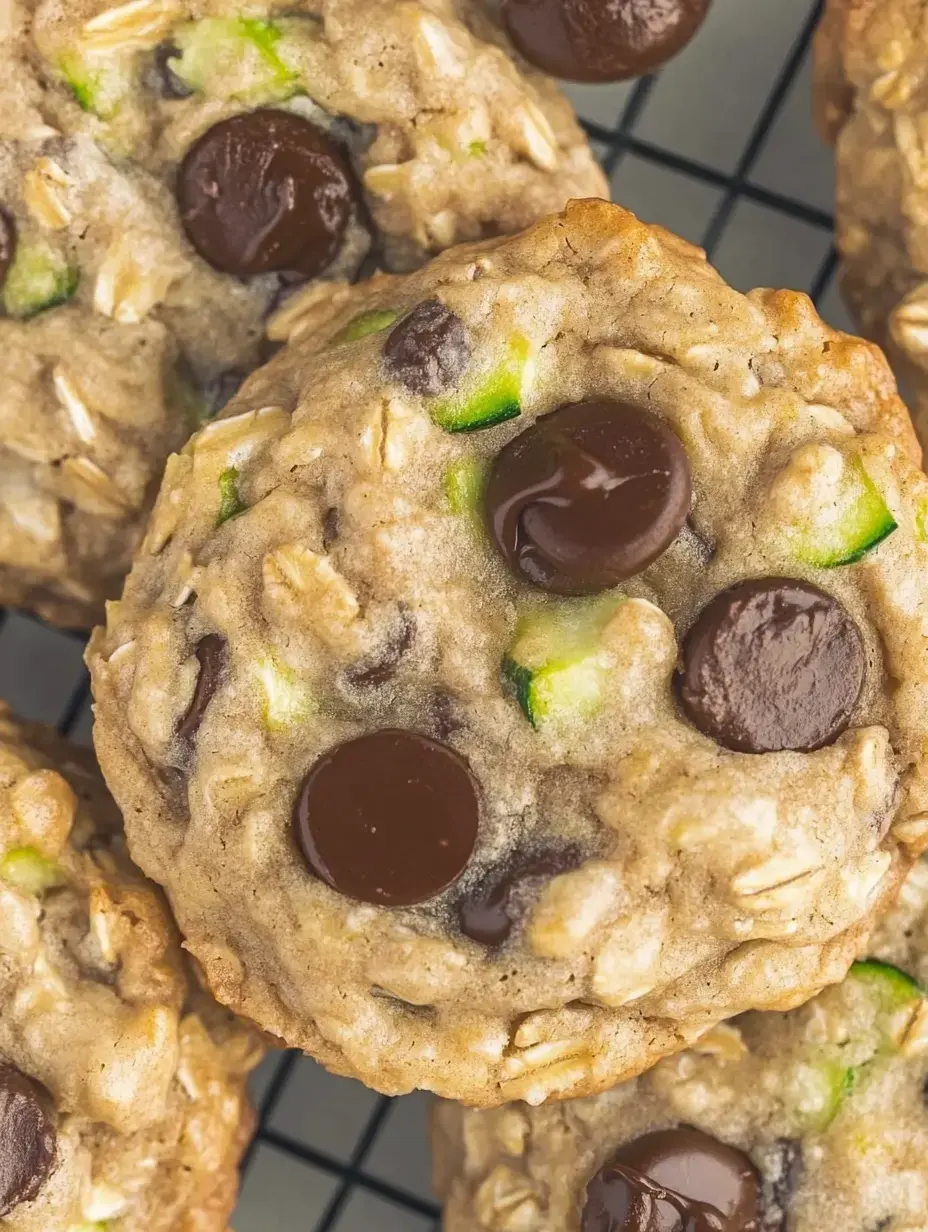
(170, 172)
(816, 1119)
(122, 1084)
(527, 671)
(871, 62)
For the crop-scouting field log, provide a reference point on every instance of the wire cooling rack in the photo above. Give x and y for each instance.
(718, 147)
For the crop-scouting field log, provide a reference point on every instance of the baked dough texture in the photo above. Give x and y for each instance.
(117, 338)
(317, 568)
(828, 1102)
(140, 1074)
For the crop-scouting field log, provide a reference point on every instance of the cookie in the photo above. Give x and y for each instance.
(169, 173)
(871, 58)
(527, 671)
(122, 1084)
(813, 1119)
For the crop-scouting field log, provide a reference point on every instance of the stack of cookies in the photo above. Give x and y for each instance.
(519, 691)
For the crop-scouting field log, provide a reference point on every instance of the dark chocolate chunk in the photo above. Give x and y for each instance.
(162, 77)
(588, 496)
(7, 244)
(211, 652)
(601, 40)
(28, 1139)
(389, 818)
(266, 190)
(428, 350)
(674, 1180)
(377, 670)
(489, 911)
(772, 664)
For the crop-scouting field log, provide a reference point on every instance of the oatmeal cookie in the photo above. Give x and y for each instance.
(169, 171)
(872, 104)
(528, 671)
(816, 1119)
(122, 1084)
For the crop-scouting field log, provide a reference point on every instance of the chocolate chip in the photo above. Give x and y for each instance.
(266, 190)
(27, 1137)
(211, 652)
(588, 496)
(783, 1181)
(674, 1180)
(163, 78)
(389, 818)
(377, 670)
(7, 243)
(589, 40)
(772, 664)
(489, 911)
(429, 350)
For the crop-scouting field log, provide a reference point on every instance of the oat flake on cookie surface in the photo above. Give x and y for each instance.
(527, 672)
(170, 170)
(809, 1121)
(123, 1105)
(872, 105)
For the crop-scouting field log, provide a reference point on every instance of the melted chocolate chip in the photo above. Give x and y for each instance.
(389, 818)
(674, 1180)
(211, 652)
(487, 914)
(588, 496)
(381, 667)
(601, 40)
(27, 1138)
(782, 1185)
(772, 664)
(266, 190)
(7, 244)
(163, 78)
(428, 351)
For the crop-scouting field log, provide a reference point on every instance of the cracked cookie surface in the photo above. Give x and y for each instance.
(133, 133)
(871, 104)
(808, 1120)
(408, 705)
(122, 1084)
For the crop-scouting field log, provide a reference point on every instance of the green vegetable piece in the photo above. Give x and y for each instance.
(235, 57)
(490, 397)
(39, 278)
(554, 666)
(893, 990)
(921, 521)
(477, 149)
(230, 503)
(98, 85)
(28, 870)
(365, 323)
(861, 521)
(287, 700)
(464, 484)
(819, 1090)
